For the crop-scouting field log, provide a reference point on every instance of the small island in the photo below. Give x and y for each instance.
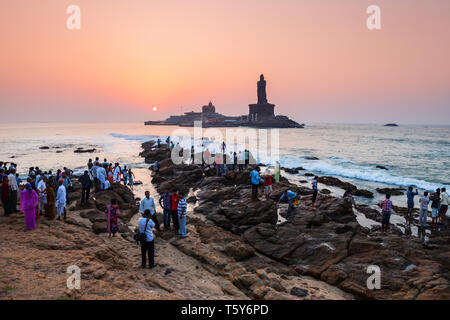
(391, 125)
(261, 115)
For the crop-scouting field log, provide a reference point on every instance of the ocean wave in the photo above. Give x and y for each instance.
(136, 137)
(364, 173)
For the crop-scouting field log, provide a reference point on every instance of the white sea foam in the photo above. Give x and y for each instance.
(350, 170)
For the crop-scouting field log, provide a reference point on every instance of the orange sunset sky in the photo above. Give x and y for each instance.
(321, 62)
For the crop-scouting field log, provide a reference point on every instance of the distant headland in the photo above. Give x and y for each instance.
(260, 115)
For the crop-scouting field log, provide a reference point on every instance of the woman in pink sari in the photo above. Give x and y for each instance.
(112, 212)
(28, 204)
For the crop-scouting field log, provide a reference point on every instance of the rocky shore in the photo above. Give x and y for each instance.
(335, 244)
(212, 263)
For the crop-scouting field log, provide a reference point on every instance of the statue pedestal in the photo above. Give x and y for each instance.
(261, 111)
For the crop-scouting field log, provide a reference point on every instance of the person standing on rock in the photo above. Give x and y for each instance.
(112, 214)
(255, 180)
(67, 183)
(61, 199)
(424, 201)
(156, 167)
(277, 172)
(50, 208)
(268, 185)
(444, 205)
(315, 192)
(159, 143)
(435, 200)
(14, 188)
(28, 204)
(386, 209)
(131, 178)
(125, 175)
(147, 247)
(290, 196)
(410, 201)
(117, 173)
(182, 206)
(174, 199)
(41, 188)
(6, 197)
(86, 185)
(96, 182)
(241, 161)
(101, 176)
(149, 204)
(165, 203)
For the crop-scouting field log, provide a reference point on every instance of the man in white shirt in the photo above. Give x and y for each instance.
(444, 205)
(14, 188)
(149, 204)
(61, 200)
(117, 173)
(101, 175)
(147, 247)
(41, 190)
(424, 201)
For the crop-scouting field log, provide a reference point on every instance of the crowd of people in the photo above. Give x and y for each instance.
(42, 194)
(47, 194)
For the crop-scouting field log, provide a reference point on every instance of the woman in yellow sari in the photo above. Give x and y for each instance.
(50, 208)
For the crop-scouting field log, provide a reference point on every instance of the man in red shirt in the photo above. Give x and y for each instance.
(174, 209)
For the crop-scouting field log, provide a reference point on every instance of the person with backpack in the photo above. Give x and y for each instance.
(147, 239)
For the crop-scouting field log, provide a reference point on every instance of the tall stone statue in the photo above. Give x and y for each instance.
(262, 96)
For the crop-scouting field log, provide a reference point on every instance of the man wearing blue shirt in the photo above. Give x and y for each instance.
(255, 179)
(147, 247)
(410, 202)
(149, 204)
(290, 196)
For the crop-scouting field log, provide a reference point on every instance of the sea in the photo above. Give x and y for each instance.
(414, 155)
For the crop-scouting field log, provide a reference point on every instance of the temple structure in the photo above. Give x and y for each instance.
(260, 115)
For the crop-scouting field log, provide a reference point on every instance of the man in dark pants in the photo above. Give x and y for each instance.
(86, 185)
(165, 203)
(255, 180)
(147, 247)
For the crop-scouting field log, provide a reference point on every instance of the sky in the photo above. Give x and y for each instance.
(321, 62)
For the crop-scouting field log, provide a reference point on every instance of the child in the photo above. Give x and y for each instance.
(386, 207)
(268, 185)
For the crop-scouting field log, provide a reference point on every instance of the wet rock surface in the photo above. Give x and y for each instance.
(328, 243)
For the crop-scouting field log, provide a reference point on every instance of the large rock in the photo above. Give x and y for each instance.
(238, 215)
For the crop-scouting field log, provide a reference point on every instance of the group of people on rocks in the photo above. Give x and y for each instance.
(222, 161)
(174, 207)
(103, 174)
(43, 193)
(439, 206)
